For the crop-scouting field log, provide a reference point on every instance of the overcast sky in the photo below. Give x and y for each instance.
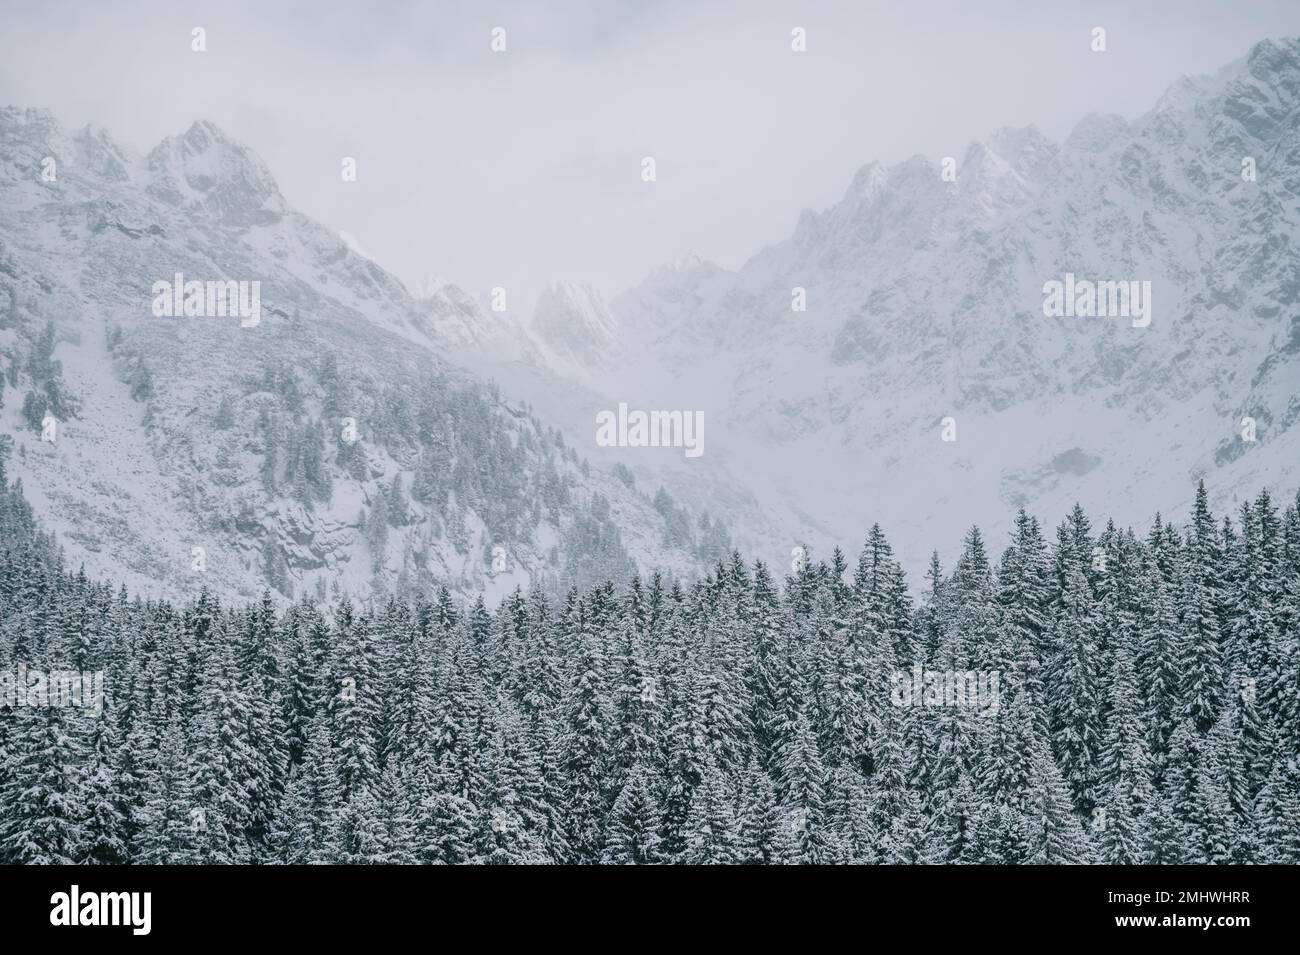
(514, 168)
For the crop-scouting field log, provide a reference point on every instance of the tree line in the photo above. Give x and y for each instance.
(1147, 711)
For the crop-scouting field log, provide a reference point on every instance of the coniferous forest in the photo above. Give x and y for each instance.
(1146, 712)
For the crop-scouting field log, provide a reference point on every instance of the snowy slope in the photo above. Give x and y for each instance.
(925, 300)
(196, 432)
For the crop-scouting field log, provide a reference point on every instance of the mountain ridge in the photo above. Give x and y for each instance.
(332, 444)
(924, 301)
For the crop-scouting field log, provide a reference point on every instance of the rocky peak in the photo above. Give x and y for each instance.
(208, 171)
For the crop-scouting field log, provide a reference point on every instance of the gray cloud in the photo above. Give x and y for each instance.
(512, 169)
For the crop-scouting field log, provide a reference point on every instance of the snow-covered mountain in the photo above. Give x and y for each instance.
(574, 329)
(564, 364)
(458, 319)
(329, 443)
(925, 301)
(923, 317)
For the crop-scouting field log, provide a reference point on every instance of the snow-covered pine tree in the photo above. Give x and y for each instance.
(586, 755)
(1200, 651)
(632, 836)
(1074, 686)
(42, 810)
